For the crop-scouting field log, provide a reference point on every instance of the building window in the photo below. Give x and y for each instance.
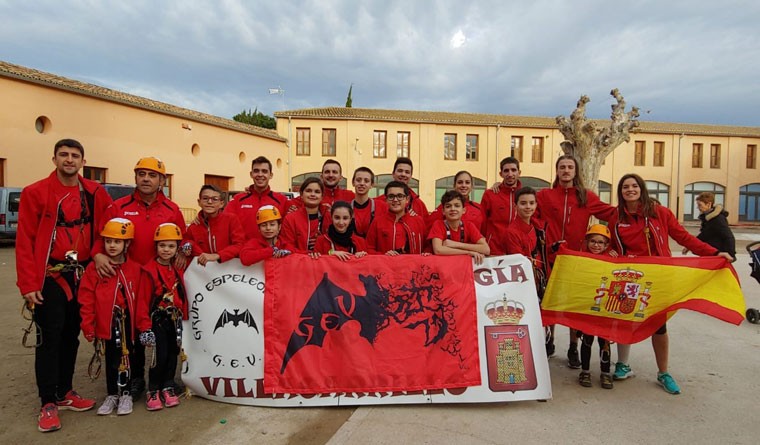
(472, 147)
(382, 180)
(168, 186)
(639, 156)
(659, 154)
(752, 156)
(714, 155)
(378, 144)
(402, 144)
(303, 141)
(95, 174)
(696, 156)
(445, 184)
(450, 147)
(516, 148)
(328, 142)
(691, 191)
(537, 150)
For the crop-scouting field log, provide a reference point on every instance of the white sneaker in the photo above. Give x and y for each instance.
(125, 405)
(108, 405)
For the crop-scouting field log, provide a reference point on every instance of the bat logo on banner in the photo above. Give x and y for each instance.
(236, 318)
(418, 302)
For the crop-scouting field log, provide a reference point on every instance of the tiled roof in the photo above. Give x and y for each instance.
(442, 117)
(12, 71)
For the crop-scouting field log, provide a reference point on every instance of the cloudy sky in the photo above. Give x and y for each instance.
(679, 61)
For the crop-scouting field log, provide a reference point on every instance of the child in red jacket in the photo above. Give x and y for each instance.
(341, 240)
(452, 235)
(269, 244)
(213, 235)
(108, 308)
(160, 316)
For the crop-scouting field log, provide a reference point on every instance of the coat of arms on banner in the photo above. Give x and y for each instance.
(623, 294)
(508, 353)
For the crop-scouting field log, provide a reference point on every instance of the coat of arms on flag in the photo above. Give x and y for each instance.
(623, 294)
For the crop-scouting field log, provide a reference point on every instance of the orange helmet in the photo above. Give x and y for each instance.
(118, 228)
(167, 232)
(599, 229)
(151, 163)
(267, 213)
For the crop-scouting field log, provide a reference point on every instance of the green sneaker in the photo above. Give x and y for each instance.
(622, 371)
(668, 383)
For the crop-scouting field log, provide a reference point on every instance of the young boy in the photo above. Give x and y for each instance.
(268, 245)
(597, 242)
(213, 235)
(396, 232)
(452, 235)
(160, 316)
(365, 208)
(108, 309)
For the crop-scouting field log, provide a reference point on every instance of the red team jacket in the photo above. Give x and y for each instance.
(386, 234)
(466, 233)
(245, 205)
(325, 245)
(160, 280)
(98, 296)
(222, 235)
(416, 204)
(38, 213)
(298, 229)
(258, 249)
(499, 210)
(363, 216)
(472, 214)
(146, 219)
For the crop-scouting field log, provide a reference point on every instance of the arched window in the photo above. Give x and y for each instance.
(605, 191)
(295, 183)
(749, 202)
(382, 180)
(445, 184)
(690, 210)
(535, 183)
(659, 191)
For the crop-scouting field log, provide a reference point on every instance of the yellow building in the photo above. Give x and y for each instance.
(678, 160)
(116, 129)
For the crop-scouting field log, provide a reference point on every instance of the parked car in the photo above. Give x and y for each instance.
(118, 190)
(9, 202)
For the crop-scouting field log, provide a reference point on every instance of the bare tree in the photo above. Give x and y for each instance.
(591, 144)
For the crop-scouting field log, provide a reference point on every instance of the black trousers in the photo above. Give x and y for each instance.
(58, 320)
(113, 355)
(604, 352)
(167, 352)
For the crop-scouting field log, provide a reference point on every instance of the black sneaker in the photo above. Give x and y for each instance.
(137, 388)
(573, 359)
(549, 350)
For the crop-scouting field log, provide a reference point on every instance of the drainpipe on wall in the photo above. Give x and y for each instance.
(678, 180)
(290, 157)
(498, 126)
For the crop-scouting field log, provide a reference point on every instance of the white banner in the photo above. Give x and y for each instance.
(224, 340)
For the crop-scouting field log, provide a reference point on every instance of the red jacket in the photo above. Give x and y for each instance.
(298, 231)
(221, 234)
(630, 238)
(145, 219)
(363, 216)
(472, 214)
(38, 213)
(499, 210)
(416, 204)
(161, 279)
(258, 249)
(245, 205)
(98, 296)
(385, 233)
(565, 220)
(523, 239)
(325, 245)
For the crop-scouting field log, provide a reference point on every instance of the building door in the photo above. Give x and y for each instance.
(749, 203)
(223, 182)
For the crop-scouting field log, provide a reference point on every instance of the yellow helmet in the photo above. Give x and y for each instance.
(599, 229)
(267, 213)
(167, 232)
(118, 228)
(151, 163)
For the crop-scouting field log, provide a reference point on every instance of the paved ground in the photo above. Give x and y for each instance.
(716, 364)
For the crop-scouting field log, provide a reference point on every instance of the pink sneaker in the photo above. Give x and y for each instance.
(153, 401)
(170, 399)
(75, 402)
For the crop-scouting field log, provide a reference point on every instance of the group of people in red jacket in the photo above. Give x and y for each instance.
(122, 261)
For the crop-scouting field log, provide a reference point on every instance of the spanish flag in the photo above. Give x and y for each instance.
(627, 299)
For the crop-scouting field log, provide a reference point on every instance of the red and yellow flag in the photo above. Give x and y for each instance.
(627, 299)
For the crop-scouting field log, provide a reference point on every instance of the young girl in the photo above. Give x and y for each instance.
(160, 317)
(108, 306)
(471, 213)
(340, 239)
(269, 244)
(597, 242)
(301, 228)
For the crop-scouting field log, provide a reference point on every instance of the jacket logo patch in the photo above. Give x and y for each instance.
(246, 206)
(131, 213)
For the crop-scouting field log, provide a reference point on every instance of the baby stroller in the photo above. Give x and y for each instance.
(753, 315)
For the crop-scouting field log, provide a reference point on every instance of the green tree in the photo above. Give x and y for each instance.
(349, 102)
(256, 118)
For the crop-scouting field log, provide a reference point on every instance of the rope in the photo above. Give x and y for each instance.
(96, 362)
